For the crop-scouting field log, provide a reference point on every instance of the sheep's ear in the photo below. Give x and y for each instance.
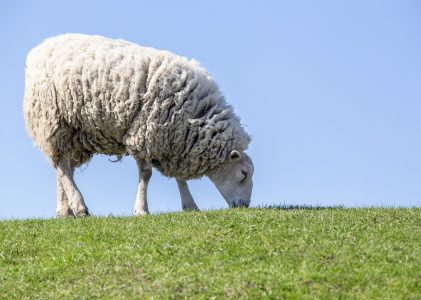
(234, 155)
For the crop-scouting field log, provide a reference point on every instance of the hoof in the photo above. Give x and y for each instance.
(191, 209)
(67, 213)
(141, 213)
(83, 214)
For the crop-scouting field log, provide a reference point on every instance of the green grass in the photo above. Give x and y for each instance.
(236, 253)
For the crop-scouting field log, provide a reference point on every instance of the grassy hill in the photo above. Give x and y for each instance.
(235, 253)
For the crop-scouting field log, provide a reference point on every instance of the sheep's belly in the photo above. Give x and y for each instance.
(98, 142)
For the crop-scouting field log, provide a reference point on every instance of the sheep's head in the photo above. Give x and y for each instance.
(234, 180)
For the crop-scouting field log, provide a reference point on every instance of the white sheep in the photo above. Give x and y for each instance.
(89, 94)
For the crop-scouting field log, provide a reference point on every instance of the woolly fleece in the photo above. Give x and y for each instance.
(89, 94)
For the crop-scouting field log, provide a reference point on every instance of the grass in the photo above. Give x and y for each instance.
(237, 253)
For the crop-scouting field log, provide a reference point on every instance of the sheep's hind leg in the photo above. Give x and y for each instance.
(63, 209)
(145, 173)
(187, 201)
(74, 197)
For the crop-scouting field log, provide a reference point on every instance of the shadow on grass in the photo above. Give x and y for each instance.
(297, 207)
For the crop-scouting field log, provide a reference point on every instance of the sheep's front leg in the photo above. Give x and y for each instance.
(145, 173)
(74, 197)
(187, 201)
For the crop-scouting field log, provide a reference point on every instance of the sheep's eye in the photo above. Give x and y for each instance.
(245, 176)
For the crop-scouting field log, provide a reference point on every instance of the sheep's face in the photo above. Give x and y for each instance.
(234, 181)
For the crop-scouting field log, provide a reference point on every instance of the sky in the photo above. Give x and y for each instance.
(329, 90)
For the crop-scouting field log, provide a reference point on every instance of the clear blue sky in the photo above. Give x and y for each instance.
(330, 91)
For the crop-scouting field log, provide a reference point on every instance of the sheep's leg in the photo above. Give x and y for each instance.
(74, 197)
(63, 210)
(145, 173)
(187, 201)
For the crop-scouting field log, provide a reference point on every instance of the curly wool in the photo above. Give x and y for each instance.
(89, 94)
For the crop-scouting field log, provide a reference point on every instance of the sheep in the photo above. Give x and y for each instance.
(87, 95)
